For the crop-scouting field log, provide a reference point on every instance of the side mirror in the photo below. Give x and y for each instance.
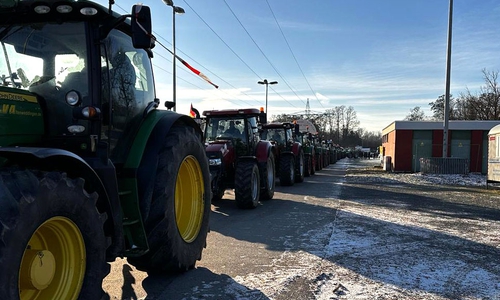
(141, 27)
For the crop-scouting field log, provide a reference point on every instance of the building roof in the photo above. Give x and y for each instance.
(306, 125)
(438, 125)
(494, 130)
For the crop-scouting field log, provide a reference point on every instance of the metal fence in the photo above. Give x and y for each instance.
(444, 165)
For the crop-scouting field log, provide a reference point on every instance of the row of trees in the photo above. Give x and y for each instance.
(339, 124)
(483, 105)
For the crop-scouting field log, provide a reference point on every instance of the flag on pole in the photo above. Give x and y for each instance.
(193, 112)
(197, 72)
(137, 9)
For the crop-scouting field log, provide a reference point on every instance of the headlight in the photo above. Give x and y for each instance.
(215, 161)
(73, 98)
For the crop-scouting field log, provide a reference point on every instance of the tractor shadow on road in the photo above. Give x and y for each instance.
(310, 217)
(200, 283)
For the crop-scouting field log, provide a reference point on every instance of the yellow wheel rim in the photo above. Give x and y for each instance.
(53, 264)
(189, 199)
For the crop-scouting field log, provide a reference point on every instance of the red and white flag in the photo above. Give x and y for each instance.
(137, 9)
(197, 72)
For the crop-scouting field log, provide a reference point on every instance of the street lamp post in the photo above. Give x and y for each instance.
(267, 83)
(447, 88)
(175, 10)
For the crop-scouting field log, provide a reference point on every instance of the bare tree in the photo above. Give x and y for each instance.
(437, 108)
(350, 121)
(416, 114)
(484, 105)
(339, 113)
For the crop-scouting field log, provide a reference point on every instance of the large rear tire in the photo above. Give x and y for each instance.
(268, 175)
(287, 170)
(247, 184)
(53, 244)
(176, 217)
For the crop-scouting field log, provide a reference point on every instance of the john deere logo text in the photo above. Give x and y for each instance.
(11, 110)
(17, 97)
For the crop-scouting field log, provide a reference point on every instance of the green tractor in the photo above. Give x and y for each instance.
(305, 138)
(90, 169)
(318, 152)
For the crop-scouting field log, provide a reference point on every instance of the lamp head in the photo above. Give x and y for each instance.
(273, 82)
(178, 10)
(168, 2)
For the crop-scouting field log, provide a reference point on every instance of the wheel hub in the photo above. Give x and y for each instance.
(41, 266)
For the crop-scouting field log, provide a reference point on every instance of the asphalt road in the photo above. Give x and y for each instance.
(367, 235)
(241, 242)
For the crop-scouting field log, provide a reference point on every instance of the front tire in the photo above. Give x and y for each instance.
(268, 178)
(312, 163)
(177, 215)
(299, 173)
(247, 184)
(307, 165)
(53, 244)
(287, 170)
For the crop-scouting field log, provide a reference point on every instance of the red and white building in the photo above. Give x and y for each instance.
(405, 142)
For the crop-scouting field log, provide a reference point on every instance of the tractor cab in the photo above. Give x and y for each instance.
(236, 128)
(238, 158)
(81, 68)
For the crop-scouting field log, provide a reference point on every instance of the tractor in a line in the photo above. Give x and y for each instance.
(305, 138)
(238, 158)
(90, 169)
(288, 152)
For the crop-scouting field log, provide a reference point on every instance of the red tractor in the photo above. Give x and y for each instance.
(289, 153)
(238, 159)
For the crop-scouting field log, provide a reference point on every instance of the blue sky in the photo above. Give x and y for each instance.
(381, 57)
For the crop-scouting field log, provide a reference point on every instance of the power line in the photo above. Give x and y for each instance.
(229, 47)
(293, 55)
(222, 40)
(191, 59)
(262, 52)
(158, 67)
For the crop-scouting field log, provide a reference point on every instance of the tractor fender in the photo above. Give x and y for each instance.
(151, 135)
(262, 151)
(143, 154)
(296, 147)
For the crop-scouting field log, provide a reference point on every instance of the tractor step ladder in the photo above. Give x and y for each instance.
(135, 235)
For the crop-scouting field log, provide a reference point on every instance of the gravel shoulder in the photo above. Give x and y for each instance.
(413, 236)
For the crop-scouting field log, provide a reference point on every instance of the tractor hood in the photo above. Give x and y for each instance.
(218, 147)
(21, 121)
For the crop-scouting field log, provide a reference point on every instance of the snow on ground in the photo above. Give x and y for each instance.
(372, 251)
(471, 179)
